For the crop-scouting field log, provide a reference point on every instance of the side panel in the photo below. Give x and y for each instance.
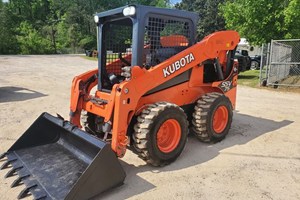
(180, 95)
(184, 77)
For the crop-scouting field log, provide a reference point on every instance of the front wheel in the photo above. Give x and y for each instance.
(160, 133)
(92, 124)
(212, 117)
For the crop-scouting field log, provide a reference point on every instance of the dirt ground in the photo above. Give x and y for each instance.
(259, 159)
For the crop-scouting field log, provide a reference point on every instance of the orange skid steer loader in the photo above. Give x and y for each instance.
(154, 83)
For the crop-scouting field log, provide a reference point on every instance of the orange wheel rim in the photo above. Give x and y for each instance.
(168, 135)
(220, 119)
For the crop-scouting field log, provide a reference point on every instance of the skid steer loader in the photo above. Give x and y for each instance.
(154, 83)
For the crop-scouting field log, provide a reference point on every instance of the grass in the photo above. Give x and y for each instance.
(113, 56)
(249, 78)
(89, 58)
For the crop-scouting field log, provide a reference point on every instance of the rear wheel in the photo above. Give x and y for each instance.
(212, 117)
(160, 133)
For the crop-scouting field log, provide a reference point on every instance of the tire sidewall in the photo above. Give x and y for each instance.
(168, 113)
(220, 101)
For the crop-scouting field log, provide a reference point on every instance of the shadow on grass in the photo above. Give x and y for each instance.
(247, 77)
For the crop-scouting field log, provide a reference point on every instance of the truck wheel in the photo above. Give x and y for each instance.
(160, 133)
(254, 65)
(212, 117)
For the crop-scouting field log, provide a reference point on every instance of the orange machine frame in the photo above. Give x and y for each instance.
(126, 98)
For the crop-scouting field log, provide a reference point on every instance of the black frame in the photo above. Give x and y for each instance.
(139, 21)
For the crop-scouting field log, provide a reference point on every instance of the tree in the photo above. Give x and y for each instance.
(292, 19)
(54, 26)
(8, 40)
(31, 41)
(210, 18)
(260, 21)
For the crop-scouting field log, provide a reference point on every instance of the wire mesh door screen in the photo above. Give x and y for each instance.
(117, 41)
(284, 68)
(164, 37)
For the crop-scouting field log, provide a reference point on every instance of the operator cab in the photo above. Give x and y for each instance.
(142, 36)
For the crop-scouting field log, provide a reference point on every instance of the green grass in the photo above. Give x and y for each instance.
(89, 58)
(113, 56)
(249, 78)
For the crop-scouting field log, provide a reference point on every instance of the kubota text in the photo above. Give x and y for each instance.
(182, 62)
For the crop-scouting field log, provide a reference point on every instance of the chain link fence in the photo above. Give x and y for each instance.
(264, 62)
(282, 63)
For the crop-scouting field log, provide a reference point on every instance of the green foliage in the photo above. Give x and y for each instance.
(31, 41)
(173, 29)
(292, 19)
(160, 3)
(260, 21)
(8, 40)
(210, 18)
(54, 26)
(88, 42)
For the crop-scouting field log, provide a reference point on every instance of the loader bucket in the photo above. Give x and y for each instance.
(56, 160)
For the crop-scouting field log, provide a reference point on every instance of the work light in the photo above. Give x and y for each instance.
(129, 11)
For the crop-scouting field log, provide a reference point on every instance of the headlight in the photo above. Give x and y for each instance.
(129, 11)
(96, 18)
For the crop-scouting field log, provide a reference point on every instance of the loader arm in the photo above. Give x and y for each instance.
(80, 90)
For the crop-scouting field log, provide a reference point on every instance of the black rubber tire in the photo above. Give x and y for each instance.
(203, 117)
(275, 86)
(145, 135)
(254, 65)
(88, 122)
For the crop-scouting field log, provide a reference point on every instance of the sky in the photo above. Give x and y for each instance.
(175, 1)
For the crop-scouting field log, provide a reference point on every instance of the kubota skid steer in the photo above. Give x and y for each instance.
(152, 79)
